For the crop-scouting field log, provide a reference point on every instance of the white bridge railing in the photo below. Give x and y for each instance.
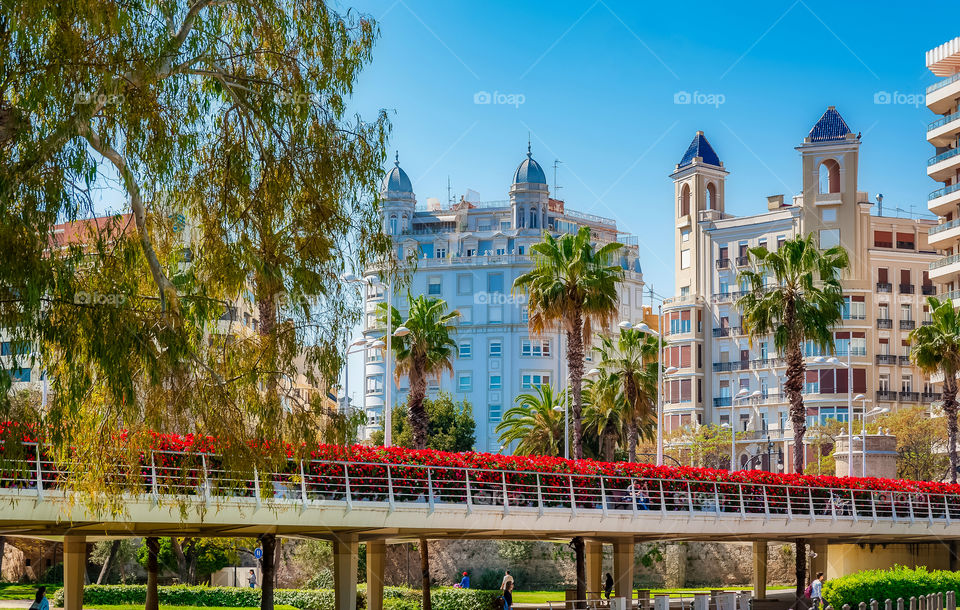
(353, 484)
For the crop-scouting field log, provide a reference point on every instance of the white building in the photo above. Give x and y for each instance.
(469, 254)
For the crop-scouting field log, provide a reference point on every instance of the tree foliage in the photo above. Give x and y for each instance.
(921, 443)
(193, 559)
(451, 425)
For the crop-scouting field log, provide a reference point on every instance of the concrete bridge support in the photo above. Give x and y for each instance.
(345, 559)
(818, 560)
(760, 569)
(74, 569)
(376, 555)
(623, 552)
(594, 557)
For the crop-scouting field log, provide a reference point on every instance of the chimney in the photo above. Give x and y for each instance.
(774, 202)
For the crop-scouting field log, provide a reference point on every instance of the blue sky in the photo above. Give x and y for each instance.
(595, 85)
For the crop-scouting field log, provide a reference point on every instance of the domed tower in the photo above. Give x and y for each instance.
(398, 202)
(529, 195)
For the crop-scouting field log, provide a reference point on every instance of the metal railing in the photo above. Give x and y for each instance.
(943, 83)
(943, 121)
(947, 190)
(953, 152)
(943, 262)
(943, 227)
(319, 483)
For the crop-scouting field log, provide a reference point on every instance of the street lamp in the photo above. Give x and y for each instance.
(863, 434)
(363, 344)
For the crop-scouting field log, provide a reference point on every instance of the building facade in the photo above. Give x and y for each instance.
(469, 254)
(726, 379)
(943, 98)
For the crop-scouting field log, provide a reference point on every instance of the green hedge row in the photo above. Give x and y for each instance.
(881, 585)
(394, 598)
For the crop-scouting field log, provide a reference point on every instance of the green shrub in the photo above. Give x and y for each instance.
(897, 582)
(400, 603)
(463, 599)
(231, 597)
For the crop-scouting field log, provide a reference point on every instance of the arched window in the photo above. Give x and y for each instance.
(405, 225)
(521, 220)
(685, 200)
(393, 224)
(533, 218)
(712, 203)
(829, 176)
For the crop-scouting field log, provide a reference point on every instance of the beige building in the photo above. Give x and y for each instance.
(728, 380)
(943, 98)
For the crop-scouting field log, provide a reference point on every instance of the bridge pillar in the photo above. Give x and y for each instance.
(376, 555)
(818, 557)
(346, 550)
(623, 569)
(594, 557)
(74, 570)
(760, 569)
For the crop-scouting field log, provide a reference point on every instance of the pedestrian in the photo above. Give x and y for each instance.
(465, 581)
(816, 590)
(507, 580)
(252, 579)
(608, 585)
(508, 596)
(40, 601)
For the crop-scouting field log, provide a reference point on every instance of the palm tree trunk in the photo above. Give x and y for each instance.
(104, 570)
(801, 565)
(579, 551)
(798, 415)
(950, 411)
(268, 568)
(632, 439)
(419, 421)
(425, 604)
(153, 569)
(575, 368)
(609, 443)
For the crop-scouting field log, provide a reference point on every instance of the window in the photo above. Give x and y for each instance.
(812, 383)
(680, 322)
(829, 238)
(495, 349)
(374, 384)
(433, 384)
(434, 286)
(906, 311)
(494, 282)
(466, 315)
(858, 344)
(495, 314)
(374, 355)
(464, 284)
(495, 382)
(465, 349)
(528, 381)
(685, 259)
(685, 235)
(494, 413)
(535, 347)
(440, 252)
(906, 384)
(829, 215)
(464, 382)
(684, 291)
(854, 308)
(8, 348)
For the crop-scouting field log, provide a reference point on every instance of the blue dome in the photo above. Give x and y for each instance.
(397, 180)
(529, 171)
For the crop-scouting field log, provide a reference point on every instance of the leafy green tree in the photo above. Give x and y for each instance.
(631, 362)
(794, 293)
(451, 425)
(936, 349)
(920, 443)
(192, 559)
(707, 446)
(535, 423)
(605, 412)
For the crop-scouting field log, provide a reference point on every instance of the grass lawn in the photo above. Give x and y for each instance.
(541, 597)
(12, 590)
(163, 607)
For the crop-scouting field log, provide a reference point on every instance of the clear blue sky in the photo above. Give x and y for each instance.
(598, 82)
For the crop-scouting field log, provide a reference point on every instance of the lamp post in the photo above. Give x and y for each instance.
(644, 328)
(863, 434)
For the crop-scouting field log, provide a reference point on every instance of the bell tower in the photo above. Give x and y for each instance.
(698, 195)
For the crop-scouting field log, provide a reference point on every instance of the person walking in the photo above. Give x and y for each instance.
(816, 590)
(252, 579)
(608, 585)
(40, 602)
(507, 580)
(508, 596)
(465, 581)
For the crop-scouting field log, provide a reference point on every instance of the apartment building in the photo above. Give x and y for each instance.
(727, 379)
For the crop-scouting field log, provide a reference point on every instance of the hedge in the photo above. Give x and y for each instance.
(395, 598)
(881, 585)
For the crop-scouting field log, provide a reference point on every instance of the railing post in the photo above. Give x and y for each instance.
(946, 508)
(810, 497)
(833, 506)
(716, 500)
(256, 484)
(390, 496)
(430, 500)
(348, 494)
(466, 478)
(506, 500)
(689, 498)
(888, 605)
(303, 487)
(899, 603)
(873, 505)
(766, 503)
(910, 506)
(743, 508)
(153, 477)
(39, 473)
(663, 499)
(573, 499)
(853, 506)
(893, 506)
(206, 478)
(603, 496)
(539, 495)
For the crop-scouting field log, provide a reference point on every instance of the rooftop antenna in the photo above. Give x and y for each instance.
(449, 192)
(556, 188)
(528, 144)
(879, 204)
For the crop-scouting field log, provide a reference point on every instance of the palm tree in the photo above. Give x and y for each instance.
(631, 361)
(536, 422)
(427, 349)
(936, 349)
(804, 303)
(573, 285)
(605, 412)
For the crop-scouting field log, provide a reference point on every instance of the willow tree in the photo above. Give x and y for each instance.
(221, 135)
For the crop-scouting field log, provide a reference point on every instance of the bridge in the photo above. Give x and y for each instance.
(375, 502)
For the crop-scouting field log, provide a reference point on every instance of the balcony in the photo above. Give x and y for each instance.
(944, 130)
(948, 265)
(903, 360)
(763, 363)
(945, 232)
(907, 324)
(906, 245)
(723, 263)
(953, 295)
(884, 323)
(929, 289)
(930, 396)
(927, 323)
(943, 166)
(906, 288)
(884, 287)
(882, 244)
(943, 200)
(910, 396)
(743, 261)
(723, 401)
(941, 95)
(886, 359)
(886, 396)
(728, 331)
(736, 365)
